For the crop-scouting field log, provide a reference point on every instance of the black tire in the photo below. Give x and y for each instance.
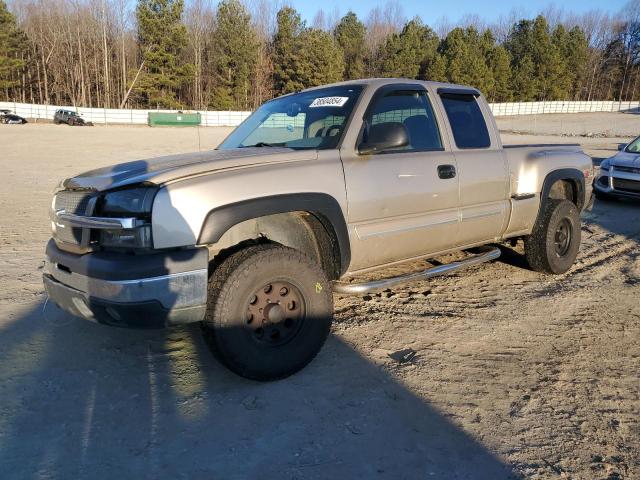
(263, 344)
(554, 242)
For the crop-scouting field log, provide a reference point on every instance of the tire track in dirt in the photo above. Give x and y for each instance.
(544, 350)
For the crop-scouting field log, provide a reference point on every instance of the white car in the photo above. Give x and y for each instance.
(620, 175)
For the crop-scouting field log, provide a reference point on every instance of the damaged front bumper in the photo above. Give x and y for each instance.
(144, 291)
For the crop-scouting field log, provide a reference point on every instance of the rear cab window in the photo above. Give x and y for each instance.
(467, 122)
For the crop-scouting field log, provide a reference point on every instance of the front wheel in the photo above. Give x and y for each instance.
(554, 242)
(269, 311)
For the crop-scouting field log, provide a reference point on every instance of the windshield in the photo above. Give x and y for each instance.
(633, 147)
(307, 120)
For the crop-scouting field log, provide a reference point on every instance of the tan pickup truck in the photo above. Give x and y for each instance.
(252, 239)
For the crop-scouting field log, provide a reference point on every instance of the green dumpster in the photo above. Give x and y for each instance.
(174, 119)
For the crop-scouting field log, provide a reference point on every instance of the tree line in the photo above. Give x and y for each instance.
(232, 55)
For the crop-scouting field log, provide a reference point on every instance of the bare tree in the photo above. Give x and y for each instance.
(86, 52)
(263, 13)
(200, 21)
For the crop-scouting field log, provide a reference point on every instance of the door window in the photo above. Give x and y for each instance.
(412, 109)
(466, 120)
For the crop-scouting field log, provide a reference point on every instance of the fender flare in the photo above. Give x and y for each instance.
(221, 219)
(572, 174)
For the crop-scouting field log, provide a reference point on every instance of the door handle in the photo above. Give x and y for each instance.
(446, 171)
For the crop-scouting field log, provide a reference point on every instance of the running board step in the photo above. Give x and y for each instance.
(486, 255)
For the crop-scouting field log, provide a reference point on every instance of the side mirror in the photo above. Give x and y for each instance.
(621, 146)
(384, 136)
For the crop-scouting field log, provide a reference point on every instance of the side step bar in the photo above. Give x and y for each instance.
(486, 255)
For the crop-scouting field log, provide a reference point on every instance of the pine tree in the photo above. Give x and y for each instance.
(235, 57)
(550, 68)
(350, 35)
(520, 45)
(435, 68)
(162, 37)
(303, 57)
(410, 53)
(576, 55)
(284, 51)
(320, 59)
(465, 57)
(12, 42)
(500, 64)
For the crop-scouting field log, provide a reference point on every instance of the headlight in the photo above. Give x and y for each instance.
(605, 165)
(133, 203)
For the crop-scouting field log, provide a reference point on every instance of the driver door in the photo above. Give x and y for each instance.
(402, 203)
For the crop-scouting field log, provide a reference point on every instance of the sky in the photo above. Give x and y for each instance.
(432, 11)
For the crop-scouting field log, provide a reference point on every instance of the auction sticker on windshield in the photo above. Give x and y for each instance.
(329, 102)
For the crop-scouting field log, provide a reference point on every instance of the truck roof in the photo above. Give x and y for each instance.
(378, 82)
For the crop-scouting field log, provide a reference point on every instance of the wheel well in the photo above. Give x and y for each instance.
(564, 189)
(308, 232)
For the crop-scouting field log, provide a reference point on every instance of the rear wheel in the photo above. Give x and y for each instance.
(270, 310)
(554, 242)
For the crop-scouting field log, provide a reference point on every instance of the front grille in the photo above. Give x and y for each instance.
(68, 234)
(77, 203)
(628, 170)
(626, 185)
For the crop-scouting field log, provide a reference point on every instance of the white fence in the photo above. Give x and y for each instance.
(119, 116)
(539, 108)
(222, 118)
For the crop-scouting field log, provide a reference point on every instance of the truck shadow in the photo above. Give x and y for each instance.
(80, 400)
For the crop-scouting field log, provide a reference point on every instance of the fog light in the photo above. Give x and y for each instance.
(82, 308)
(114, 314)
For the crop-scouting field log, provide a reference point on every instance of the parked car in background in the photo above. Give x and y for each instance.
(11, 118)
(620, 175)
(70, 118)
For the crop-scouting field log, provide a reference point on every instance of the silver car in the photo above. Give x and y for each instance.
(620, 175)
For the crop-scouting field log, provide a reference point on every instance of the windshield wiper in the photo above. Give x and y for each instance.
(264, 144)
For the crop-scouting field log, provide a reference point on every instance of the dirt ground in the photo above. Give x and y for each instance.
(571, 124)
(516, 374)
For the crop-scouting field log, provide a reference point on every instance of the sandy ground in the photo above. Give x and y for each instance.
(516, 374)
(582, 124)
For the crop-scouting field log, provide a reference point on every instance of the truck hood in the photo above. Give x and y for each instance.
(166, 169)
(625, 159)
